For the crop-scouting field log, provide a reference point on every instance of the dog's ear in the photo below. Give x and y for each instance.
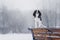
(34, 14)
(39, 12)
(39, 15)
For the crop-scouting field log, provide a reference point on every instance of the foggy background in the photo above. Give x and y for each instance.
(16, 15)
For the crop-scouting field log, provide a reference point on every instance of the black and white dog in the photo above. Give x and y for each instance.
(38, 19)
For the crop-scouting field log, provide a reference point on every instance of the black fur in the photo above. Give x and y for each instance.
(34, 14)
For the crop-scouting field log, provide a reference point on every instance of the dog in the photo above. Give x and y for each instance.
(38, 19)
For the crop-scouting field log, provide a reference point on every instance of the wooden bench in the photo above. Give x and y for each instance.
(45, 33)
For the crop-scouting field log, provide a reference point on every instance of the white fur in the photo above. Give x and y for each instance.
(38, 23)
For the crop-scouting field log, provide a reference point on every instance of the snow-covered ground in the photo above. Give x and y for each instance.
(16, 37)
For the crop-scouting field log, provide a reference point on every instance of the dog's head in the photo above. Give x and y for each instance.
(37, 12)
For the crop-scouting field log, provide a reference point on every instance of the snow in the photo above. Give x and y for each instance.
(16, 37)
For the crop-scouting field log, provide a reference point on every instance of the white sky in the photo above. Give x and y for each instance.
(23, 4)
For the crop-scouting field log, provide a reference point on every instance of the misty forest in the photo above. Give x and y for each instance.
(17, 16)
